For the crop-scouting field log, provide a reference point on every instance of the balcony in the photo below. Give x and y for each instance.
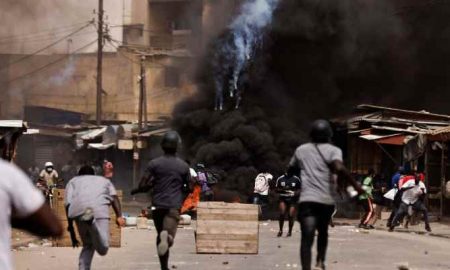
(177, 40)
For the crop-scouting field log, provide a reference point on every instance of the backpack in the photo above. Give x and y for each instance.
(212, 177)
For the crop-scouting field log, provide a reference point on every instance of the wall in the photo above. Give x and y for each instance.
(42, 22)
(136, 28)
(71, 84)
(169, 80)
(175, 22)
(217, 14)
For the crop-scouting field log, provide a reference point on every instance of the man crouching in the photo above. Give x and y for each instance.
(87, 201)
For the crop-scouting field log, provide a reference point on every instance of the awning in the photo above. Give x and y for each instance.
(371, 137)
(154, 132)
(12, 123)
(100, 146)
(393, 139)
(442, 134)
(92, 134)
(31, 131)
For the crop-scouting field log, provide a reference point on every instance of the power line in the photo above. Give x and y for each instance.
(41, 39)
(133, 27)
(9, 44)
(45, 48)
(128, 58)
(118, 51)
(121, 43)
(49, 64)
(52, 31)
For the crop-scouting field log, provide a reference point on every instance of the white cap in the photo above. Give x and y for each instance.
(48, 164)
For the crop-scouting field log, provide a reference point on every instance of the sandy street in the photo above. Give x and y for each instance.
(350, 248)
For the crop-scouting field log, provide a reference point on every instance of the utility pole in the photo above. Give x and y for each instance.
(99, 63)
(144, 91)
(142, 97)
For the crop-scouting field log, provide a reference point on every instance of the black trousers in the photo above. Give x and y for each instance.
(314, 216)
(166, 220)
(418, 206)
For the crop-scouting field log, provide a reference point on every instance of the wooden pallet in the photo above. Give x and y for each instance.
(227, 228)
(115, 233)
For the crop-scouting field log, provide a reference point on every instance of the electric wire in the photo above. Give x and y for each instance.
(118, 51)
(53, 31)
(44, 48)
(43, 39)
(48, 65)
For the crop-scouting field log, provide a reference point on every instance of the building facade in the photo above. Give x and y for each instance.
(172, 35)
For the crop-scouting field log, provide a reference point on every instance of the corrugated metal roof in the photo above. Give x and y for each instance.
(154, 132)
(372, 137)
(440, 131)
(11, 123)
(92, 134)
(382, 108)
(100, 146)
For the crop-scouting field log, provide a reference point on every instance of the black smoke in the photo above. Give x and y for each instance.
(318, 60)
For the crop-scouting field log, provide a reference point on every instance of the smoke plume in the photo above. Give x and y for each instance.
(318, 60)
(62, 76)
(237, 47)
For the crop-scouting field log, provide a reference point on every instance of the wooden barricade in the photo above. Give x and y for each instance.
(115, 233)
(227, 228)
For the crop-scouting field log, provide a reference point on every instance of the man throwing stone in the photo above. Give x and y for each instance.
(87, 201)
(168, 178)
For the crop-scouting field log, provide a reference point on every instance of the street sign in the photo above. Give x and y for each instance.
(125, 144)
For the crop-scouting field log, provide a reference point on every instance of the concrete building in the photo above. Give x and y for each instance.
(170, 34)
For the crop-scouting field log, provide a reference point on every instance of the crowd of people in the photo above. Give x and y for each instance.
(314, 177)
(311, 193)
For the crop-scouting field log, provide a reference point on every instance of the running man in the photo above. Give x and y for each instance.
(366, 201)
(168, 177)
(87, 200)
(318, 160)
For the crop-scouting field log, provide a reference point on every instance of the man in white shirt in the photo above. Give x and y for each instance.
(261, 189)
(23, 206)
(49, 174)
(411, 198)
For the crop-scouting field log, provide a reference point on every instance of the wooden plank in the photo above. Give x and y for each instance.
(221, 230)
(227, 228)
(222, 211)
(241, 237)
(232, 217)
(227, 247)
(224, 205)
(226, 211)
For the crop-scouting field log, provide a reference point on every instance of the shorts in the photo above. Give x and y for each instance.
(320, 210)
(289, 200)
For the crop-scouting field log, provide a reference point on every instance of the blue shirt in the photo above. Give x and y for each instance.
(395, 179)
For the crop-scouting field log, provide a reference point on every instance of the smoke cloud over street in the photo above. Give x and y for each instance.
(318, 59)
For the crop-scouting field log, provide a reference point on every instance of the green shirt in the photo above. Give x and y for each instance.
(368, 187)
